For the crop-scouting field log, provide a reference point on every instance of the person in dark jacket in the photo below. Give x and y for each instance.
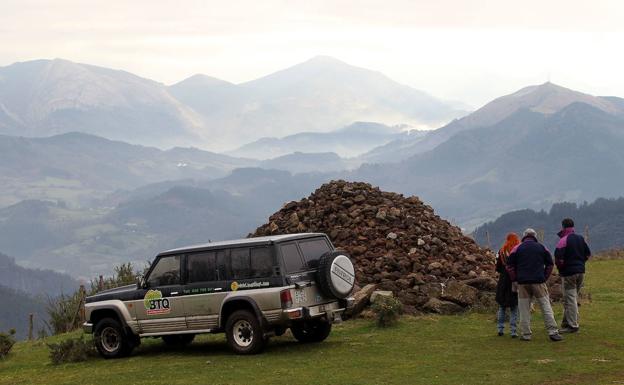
(506, 297)
(570, 256)
(530, 264)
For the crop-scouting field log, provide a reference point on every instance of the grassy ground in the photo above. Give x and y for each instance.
(425, 350)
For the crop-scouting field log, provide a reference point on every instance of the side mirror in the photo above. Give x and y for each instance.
(141, 284)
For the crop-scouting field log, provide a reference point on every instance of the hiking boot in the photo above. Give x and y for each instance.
(568, 330)
(555, 337)
(514, 336)
(500, 334)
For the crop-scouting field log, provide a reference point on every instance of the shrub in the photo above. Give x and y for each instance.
(71, 350)
(387, 310)
(64, 312)
(6, 342)
(125, 274)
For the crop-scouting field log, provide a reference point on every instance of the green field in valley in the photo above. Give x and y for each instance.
(419, 350)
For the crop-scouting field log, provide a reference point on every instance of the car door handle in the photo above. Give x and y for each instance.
(174, 293)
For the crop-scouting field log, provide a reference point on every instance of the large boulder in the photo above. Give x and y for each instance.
(482, 283)
(361, 299)
(459, 293)
(380, 293)
(435, 305)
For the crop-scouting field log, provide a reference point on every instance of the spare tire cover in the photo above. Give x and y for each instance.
(336, 274)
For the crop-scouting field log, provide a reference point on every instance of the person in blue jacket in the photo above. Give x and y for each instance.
(570, 256)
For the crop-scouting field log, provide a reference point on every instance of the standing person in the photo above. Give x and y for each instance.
(506, 297)
(530, 264)
(570, 256)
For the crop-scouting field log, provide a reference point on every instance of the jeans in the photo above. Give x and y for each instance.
(513, 317)
(571, 289)
(539, 292)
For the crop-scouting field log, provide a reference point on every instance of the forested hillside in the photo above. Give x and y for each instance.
(16, 307)
(602, 221)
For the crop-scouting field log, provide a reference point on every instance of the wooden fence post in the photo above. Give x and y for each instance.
(83, 295)
(101, 283)
(30, 326)
(540, 235)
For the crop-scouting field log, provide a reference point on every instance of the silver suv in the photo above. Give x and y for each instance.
(251, 289)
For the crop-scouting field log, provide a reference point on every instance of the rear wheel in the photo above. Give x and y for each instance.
(311, 331)
(110, 339)
(244, 333)
(178, 339)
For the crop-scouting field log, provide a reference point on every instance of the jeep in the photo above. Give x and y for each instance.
(250, 289)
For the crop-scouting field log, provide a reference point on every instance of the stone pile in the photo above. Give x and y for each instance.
(397, 243)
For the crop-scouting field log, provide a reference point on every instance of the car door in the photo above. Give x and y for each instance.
(205, 289)
(161, 310)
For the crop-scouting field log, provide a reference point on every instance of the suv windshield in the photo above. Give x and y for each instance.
(166, 272)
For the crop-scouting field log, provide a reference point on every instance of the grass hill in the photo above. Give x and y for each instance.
(422, 350)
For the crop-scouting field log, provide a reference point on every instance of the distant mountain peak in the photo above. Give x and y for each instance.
(544, 89)
(324, 59)
(545, 98)
(201, 80)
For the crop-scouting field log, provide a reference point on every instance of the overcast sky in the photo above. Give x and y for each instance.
(471, 51)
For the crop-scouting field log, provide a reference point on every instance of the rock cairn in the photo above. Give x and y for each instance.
(397, 243)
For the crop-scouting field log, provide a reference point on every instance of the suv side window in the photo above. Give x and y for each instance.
(240, 264)
(202, 267)
(313, 249)
(261, 262)
(292, 258)
(166, 272)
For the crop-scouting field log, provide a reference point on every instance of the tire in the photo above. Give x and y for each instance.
(311, 331)
(178, 340)
(244, 333)
(336, 275)
(111, 340)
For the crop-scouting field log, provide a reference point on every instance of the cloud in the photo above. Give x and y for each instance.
(467, 50)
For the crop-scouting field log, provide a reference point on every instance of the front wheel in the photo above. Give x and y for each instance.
(111, 340)
(244, 333)
(311, 331)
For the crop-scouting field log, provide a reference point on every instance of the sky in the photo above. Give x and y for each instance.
(468, 51)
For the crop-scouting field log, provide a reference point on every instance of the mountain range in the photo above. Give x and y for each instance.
(81, 203)
(46, 97)
(545, 99)
(533, 157)
(79, 168)
(348, 142)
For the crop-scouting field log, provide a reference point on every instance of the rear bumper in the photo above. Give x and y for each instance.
(87, 327)
(332, 311)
